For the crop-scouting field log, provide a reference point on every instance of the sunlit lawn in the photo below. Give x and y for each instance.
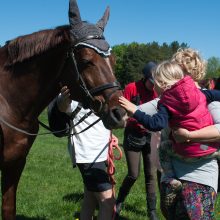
(50, 189)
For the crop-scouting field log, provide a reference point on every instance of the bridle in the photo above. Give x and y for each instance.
(90, 93)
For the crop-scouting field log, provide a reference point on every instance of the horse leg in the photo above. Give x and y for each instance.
(10, 178)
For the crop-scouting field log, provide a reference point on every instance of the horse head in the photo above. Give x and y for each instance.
(93, 64)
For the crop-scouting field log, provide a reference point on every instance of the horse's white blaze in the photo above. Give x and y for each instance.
(107, 60)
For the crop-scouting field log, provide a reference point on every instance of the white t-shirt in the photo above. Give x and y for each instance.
(92, 144)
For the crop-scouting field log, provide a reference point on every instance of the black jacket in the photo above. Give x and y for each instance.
(58, 121)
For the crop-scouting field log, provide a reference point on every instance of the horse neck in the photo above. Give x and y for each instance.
(49, 73)
(36, 82)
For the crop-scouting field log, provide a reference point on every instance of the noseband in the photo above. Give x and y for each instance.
(90, 93)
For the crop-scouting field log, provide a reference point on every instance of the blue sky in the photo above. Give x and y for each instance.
(195, 22)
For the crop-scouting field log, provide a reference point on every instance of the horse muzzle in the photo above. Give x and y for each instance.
(115, 118)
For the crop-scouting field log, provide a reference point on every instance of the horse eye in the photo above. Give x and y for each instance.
(84, 61)
(87, 62)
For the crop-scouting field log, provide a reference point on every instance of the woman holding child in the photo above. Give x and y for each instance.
(189, 183)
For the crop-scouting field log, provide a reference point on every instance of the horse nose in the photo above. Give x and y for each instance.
(116, 118)
(116, 114)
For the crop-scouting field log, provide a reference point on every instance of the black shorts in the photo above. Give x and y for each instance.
(95, 177)
(136, 142)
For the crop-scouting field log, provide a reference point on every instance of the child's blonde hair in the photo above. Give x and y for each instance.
(191, 63)
(167, 73)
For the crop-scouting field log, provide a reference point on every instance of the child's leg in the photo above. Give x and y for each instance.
(165, 151)
(168, 176)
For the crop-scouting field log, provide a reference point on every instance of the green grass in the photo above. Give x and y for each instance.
(50, 189)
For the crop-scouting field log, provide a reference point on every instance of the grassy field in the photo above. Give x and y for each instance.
(50, 189)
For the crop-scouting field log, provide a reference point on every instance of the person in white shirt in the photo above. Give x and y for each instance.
(89, 150)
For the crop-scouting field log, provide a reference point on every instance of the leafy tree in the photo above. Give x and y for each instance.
(119, 51)
(213, 68)
(131, 58)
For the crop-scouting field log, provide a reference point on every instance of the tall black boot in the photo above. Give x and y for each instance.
(151, 207)
(123, 192)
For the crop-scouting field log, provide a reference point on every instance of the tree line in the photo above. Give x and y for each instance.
(131, 58)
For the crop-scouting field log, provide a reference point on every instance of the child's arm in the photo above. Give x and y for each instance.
(153, 123)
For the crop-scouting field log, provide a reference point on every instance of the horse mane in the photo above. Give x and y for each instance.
(27, 46)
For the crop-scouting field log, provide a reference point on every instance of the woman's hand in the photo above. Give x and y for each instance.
(181, 135)
(64, 100)
(129, 106)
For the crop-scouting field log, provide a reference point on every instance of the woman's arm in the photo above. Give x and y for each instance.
(59, 121)
(211, 95)
(206, 134)
(150, 107)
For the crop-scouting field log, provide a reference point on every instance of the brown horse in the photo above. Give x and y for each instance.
(32, 70)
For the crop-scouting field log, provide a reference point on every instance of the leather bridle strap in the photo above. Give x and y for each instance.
(75, 133)
(104, 87)
(91, 92)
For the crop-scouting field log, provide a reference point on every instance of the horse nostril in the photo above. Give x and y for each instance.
(116, 119)
(116, 114)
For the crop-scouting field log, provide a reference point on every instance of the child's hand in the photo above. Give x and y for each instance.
(129, 106)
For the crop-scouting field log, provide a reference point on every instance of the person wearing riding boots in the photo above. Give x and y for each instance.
(137, 142)
(88, 151)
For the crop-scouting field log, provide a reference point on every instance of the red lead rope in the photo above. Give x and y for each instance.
(113, 144)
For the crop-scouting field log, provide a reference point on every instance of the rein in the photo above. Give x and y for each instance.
(28, 133)
(48, 128)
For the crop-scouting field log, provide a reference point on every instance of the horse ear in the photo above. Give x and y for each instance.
(74, 14)
(103, 21)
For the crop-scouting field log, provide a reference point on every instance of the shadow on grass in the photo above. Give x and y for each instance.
(77, 197)
(77, 215)
(133, 209)
(22, 217)
(73, 197)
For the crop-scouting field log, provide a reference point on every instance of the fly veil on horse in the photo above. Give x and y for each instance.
(32, 69)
